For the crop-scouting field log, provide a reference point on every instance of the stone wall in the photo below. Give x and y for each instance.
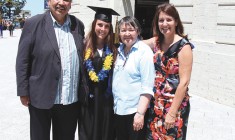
(211, 26)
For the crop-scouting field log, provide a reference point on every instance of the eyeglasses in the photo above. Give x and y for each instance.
(125, 60)
(127, 56)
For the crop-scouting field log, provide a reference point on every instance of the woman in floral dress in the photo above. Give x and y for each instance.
(173, 64)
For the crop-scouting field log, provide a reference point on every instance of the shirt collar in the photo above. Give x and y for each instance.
(66, 23)
(134, 47)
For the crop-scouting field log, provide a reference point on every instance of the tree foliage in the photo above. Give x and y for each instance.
(10, 8)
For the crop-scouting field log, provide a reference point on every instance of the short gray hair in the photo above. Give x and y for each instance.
(129, 20)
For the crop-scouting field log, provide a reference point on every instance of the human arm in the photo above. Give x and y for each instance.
(147, 82)
(142, 107)
(23, 64)
(185, 58)
(150, 42)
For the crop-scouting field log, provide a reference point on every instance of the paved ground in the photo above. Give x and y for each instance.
(208, 120)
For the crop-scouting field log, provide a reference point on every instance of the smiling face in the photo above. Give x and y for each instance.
(166, 24)
(102, 29)
(59, 9)
(128, 34)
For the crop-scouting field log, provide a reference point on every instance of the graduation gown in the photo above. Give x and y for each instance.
(98, 119)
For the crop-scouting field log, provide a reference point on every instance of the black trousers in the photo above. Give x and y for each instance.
(62, 117)
(124, 127)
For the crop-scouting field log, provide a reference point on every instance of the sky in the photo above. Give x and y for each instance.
(35, 6)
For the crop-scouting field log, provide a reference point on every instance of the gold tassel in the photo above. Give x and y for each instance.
(116, 38)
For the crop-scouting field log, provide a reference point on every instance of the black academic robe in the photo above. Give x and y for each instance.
(98, 119)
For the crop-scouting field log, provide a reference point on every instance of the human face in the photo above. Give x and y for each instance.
(167, 24)
(128, 34)
(59, 9)
(102, 29)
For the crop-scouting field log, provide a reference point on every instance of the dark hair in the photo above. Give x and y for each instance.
(128, 20)
(91, 39)
(170, 10)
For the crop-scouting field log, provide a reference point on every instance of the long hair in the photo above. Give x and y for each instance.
(91, 38)
(170, 10)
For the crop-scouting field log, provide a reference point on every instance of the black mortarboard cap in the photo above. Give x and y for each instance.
(104, 14)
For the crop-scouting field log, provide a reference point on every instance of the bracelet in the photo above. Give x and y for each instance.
(140, 113)
(172, 115)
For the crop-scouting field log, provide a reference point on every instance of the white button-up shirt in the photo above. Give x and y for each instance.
(68, 84)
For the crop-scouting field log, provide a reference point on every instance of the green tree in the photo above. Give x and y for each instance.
(11, 8)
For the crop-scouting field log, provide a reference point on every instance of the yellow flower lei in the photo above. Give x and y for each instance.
(106, 65)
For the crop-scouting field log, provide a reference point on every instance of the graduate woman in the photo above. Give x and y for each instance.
(98, 60)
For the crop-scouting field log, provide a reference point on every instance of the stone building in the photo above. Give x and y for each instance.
(209, 24)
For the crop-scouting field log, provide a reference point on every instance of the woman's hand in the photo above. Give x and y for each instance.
(138, 122)
(169, 121)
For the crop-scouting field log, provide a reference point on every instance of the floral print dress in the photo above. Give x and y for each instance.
(166, 83)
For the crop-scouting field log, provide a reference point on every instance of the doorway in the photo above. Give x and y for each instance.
(144, 13)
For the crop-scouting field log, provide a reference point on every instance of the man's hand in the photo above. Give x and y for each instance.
(25, 100)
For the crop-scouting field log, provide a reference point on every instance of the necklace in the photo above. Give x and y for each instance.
(103, 73)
